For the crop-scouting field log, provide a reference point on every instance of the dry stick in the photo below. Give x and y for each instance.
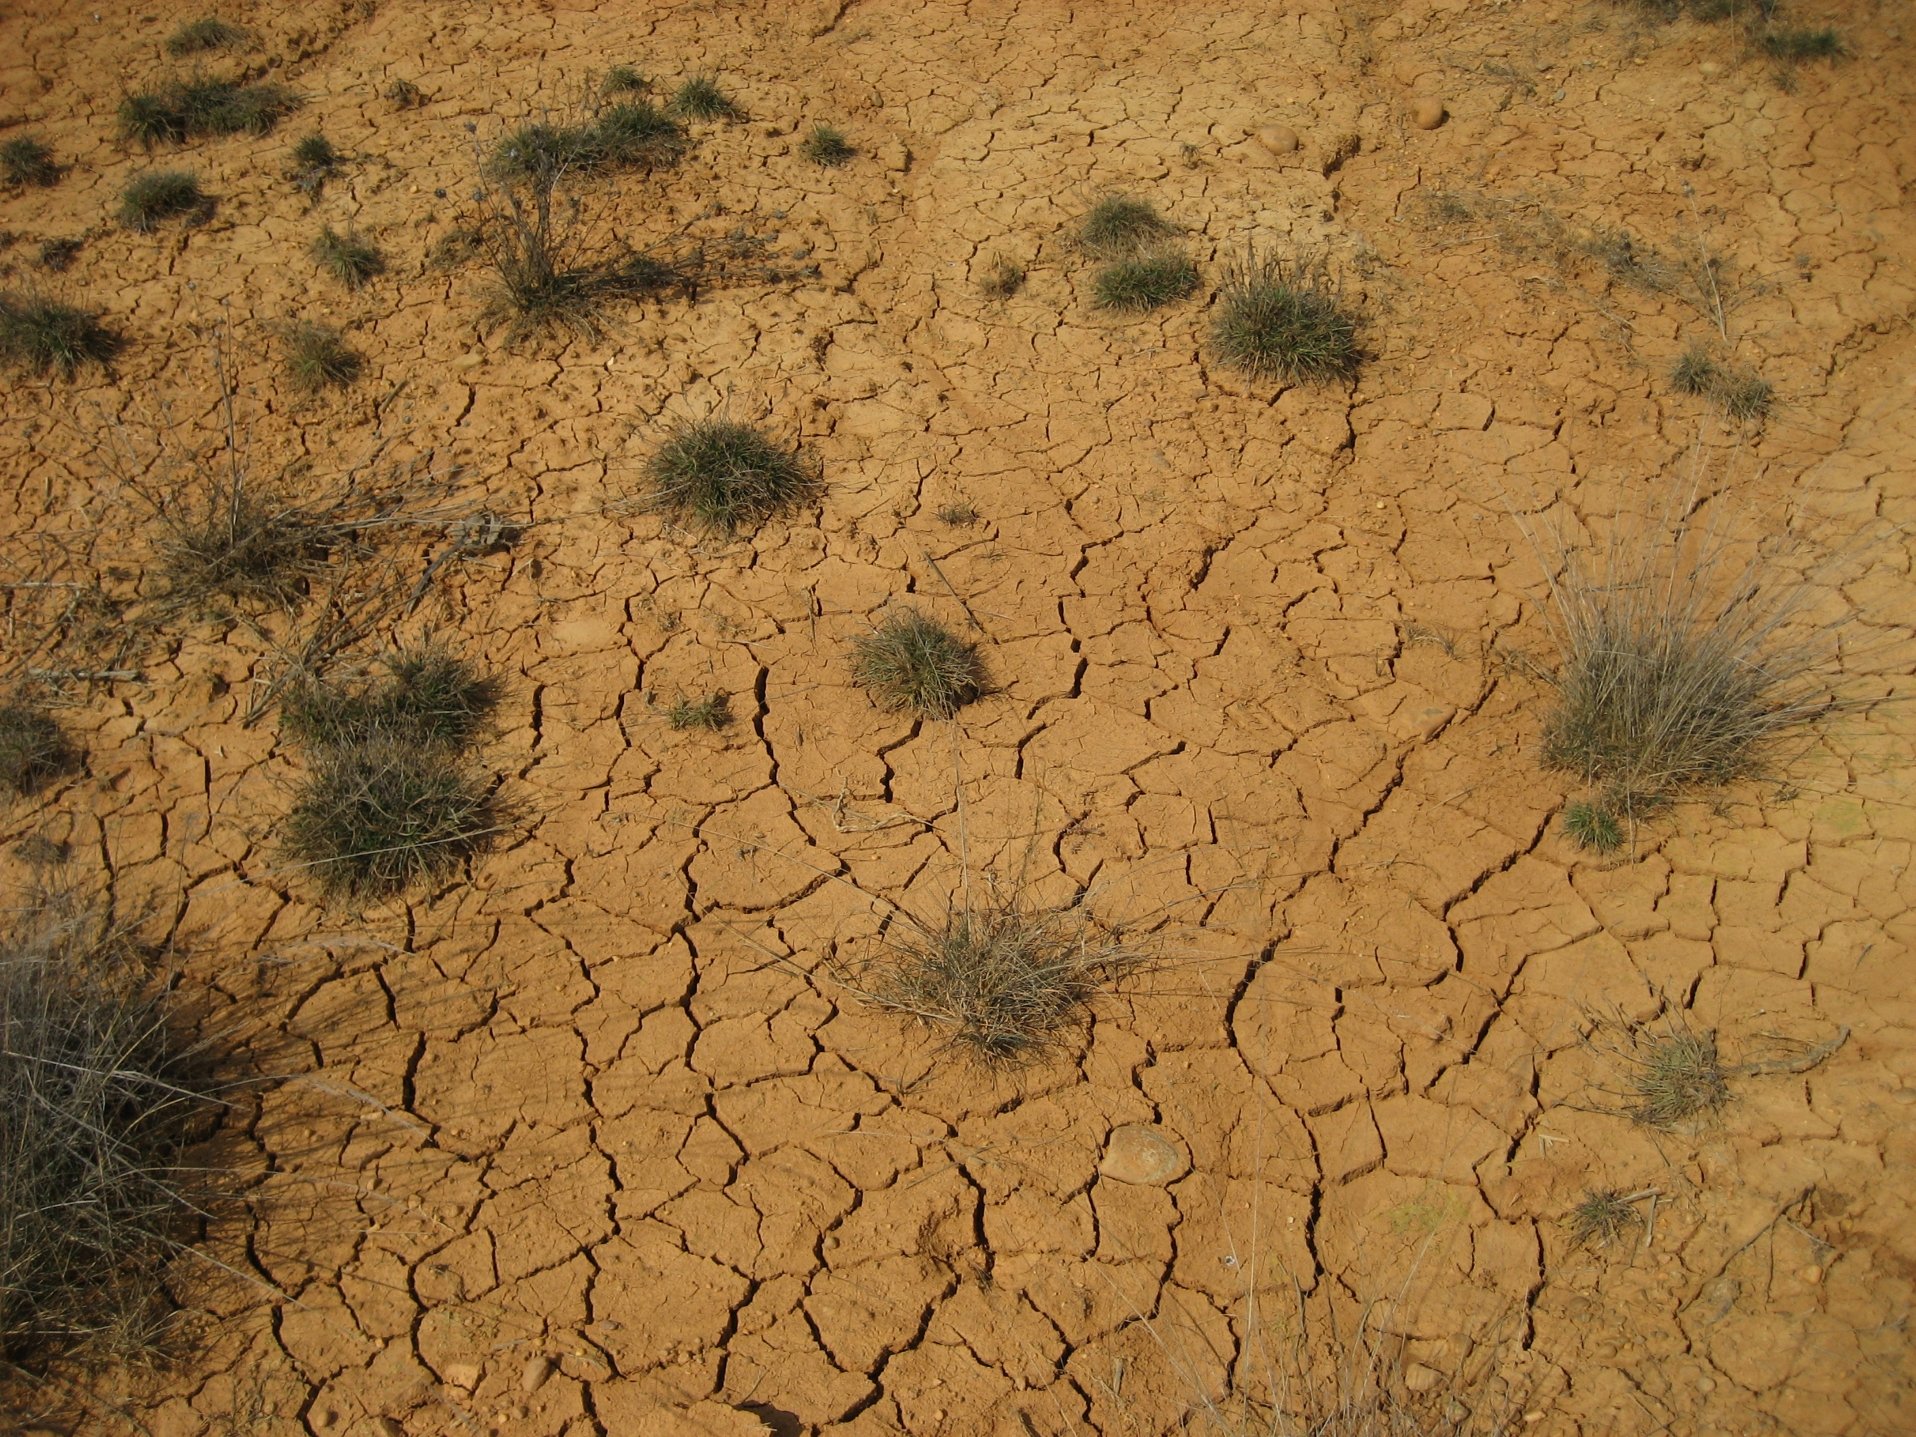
(1801, 1063)
(952, 591)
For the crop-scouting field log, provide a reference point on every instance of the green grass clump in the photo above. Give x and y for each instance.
(827, 146)
(624, 80)
(197, 37)
(160, 195)
(540, 149)
(1738, 392)
(318, 357)
(374, 820)
(32, 748)
(636, 135)
(915, 663)
(1283, 320)
(347, 258)
(1604, 1215)
(315, 152)
(726, 475)
(1120, 225)
(429, 698)
(1677, 1076)
(1144, 282)
(189, 109)
(712, 712)
(1592, 826)
(701, 98)
(1002, 279)
(43, 336)
(28, 160)
(99, 1100)
(1004, 980)
(1795, 45)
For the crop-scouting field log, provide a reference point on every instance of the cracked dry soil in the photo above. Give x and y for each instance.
(594, 1141)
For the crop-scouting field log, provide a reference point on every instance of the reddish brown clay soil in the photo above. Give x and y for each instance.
(596, 1140)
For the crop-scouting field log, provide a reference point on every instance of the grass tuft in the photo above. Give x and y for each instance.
(1144, 282)
(32, 749)
(1280, 319)
(197, 37)
(1005, 980)
(315, 152)
(701, 98)
(347, 258)
(915, 663)
(246, 548)
(318, 357)
(726, 475)
(1604, 1216)
(1674, 675)
(43, 336)
(712, 712)
(98, 1102)
(1592, 826)
(189, 109)
(636, 135)
(404, 95)
(1740, 393)
(1120, 225)
(1002, 279)
(429, 698)
(28, 160)
(827, 146)
(624, 80)
(374, 820)
(1795, 45)
(959, 513)
(158, 196)
(1677, 1077)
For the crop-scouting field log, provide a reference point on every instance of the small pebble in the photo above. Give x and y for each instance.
(1428, 113)
(533, 1376)
(1278, 139)
(1812, 1274)
(1138, 1154)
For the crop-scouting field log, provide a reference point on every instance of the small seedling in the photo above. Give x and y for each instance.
(959, 513)
(915, 663)
(713, 712)
(32, 747)
(701, 98)
(1145, 282)
(726, 476)
(1740, 393)
(197, 37)
(1593, 826)
(43, 336)
(1677, 1077)
(404, 95)
(1118, 226)
(1283, 320)
(1604, 1215)
(374, 820)
(827, 146)
(317, 357)
(347, 258)
(1002, 279)
(1005, 980)
(161, 195)
(430, 697)
(624, 80)
(28, 160)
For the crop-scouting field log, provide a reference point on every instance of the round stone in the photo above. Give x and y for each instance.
(1143, 1155)
(1278, 139)
(1428, 113)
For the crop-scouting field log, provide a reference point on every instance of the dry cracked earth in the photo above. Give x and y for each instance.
(599, 1138)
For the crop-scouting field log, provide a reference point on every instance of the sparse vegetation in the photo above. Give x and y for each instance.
(32, 748)
(1674, 676)
(1144, 282)
(701, 98)
(197, 37)
(1738, 392)
(1796, 44)
(404, 95)
(190, 109)
(1002, 279)
(372, 820)
(624, 80)
(58, 254)
(827, 146)
(1284, 320)
(346, 257)
(28, 160)
(1592, 826)
(960, 512)
(314, 161)
(244, 546)
(318, 357)
(1604, 1215)
(726, 475)
(429, 698)
(98, 1102)
(43, 336)
(1118, 226)
(636, 135)
(1676, 1077)
(158, 196)
(1004, 979)
(913, 662)
(712, 712)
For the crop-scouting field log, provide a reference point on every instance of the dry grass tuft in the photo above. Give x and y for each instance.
(726, 475)
(429, 698)
(1738, 392)
(33, 748)
(28, 160)
(1283, 319)
(701, 98)
(1118, 226)
(43, 336)
(197, 37)
(1676, 1076)
(195, 108)
(318, 357)
(346, 257)
(827, 145)
(913, 662)
(713, 713)
(1144, 282)
(1004, 981)
(158, 196)
(1604, 1216)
